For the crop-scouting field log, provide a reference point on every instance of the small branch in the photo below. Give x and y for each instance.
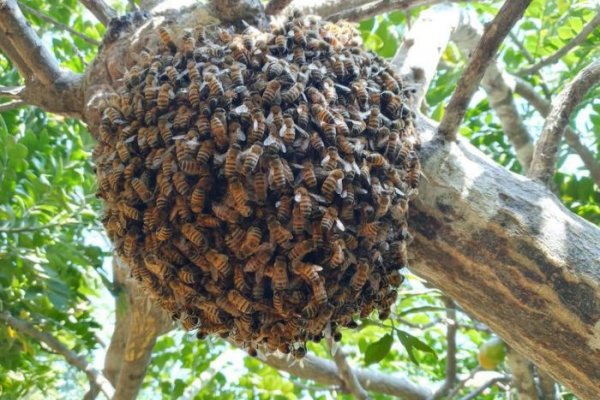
(499, 93)
(576, 41)
(102, 11)
(463, 382)
(420, 52)
(95, 377)
(546, 148)
(542, 105)
(486, 49)
(522, 375)
(382, 6)
(11, 105)
(351, 383)
(276, 6)
(11, 92)
(451, 329)
(58, 24)
(547, 386)
(23, 38)
(326, 372)
(482, 388)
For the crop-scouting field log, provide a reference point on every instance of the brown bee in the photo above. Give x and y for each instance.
(277, 176)
(414, 174)
(307, 271)
(218, 129)
(251, 158)
(239, 301)
(188, 43)
(180, 183)
(219, 263)
(374, 120)
(293, 93)
(129, 245)
(165, 94)
(332, 184)
(289, 132)
(278, 233)
(302, 197)
(271, 92)
(284, 208)
(251, 242)
(260, 188)
(280, 276)
(322, 114)
(231, 156)
(239, 195)
(329, 219)
(142, 190)
(164, 233)
(329, 91)
(258, 126)
(360, 276)
(376, 160)
(165, 38)
(319, 292)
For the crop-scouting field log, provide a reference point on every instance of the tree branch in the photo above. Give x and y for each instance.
(482, 388)
(347, 375)
(498, 91)
(13, 56)
(11, 105)
(382, 6)
(547, 386)
(486, 49)
(418, 56)
(546, 148)
(542, 105)
(451, 328)
(576, 41)
(276, 6)
(326, 373)
(79, 362)
(29, 46)
(11, 92)
(58, 24)
(101, 10)
(522, 376)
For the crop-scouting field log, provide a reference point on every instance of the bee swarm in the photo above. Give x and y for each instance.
(257, 184)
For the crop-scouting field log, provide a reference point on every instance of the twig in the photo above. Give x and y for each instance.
(499, 93)
(522, 375)
(546, 148)
(102, 11)
(11, 92)
(486, 49)
(351, 383)
(94, 376)
(325, 372)
(382, 6)
(58, 24)
(542, 105)
(451, 328)
(576, 41)
(547, 386)
(462, 383)
(21, 35)
(276, 6)
(11, 105)
(486, 385)
(521, 47)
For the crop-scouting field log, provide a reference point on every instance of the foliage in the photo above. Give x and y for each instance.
(51, 271)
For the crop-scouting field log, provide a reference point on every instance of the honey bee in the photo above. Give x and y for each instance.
(289, 132)
(277, 176)
(164, 233)
(284, 208)
(219, 263)
(129, 245)
(374, 120)
(307, 271)
(278, 233)
(337, 253)
(271, 92)
(142, 190)
(260, 188)
(322, 114)
(317, 143)
(329, 91)
(359, 278)
(188, 44)
(302, 197)
(224, 304)
(181, 185)
(332, 184)
(280, 276)
(165, 38)
(329, 219)
(214, 85)
(414, 174)
(187, 275)
(208, 221)
(298, 56)
(235, 73)
(240, 196)
(240, 301)
(130, 212)
(377, 160)
(194, 235)
(316, 325)
(239, 280)
(319, 292)
(165, 94)
(218, 129)
(231, 156)
(251, 158)
(390, 83)
(293, 93)
(251, 241)
(368, 230)
(259, 260)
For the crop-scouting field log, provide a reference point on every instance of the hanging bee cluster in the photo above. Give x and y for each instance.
(257, 184)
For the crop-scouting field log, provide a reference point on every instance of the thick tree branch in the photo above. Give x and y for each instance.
(576, 41)
(42, 63)
(498, 91)
(486, 49)
(326, 373)
(451, 329)
(58, 24)
(418, 63)
(347, 375)
(11, 53)
(101, 10)
(546, 148)
(542, 105)
(275, 7)
(522, 376)
(79, 362)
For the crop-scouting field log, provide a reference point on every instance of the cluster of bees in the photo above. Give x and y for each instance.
(257, 184)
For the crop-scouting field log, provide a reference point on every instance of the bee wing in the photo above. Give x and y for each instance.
(319, 198)
(340, 225)
(338, 186)
(325, 160)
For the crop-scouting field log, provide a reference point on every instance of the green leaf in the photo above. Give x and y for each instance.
(412, 343)
(377, 351)
(565, 33)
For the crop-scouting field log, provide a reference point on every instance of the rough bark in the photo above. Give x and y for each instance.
(522, 376)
